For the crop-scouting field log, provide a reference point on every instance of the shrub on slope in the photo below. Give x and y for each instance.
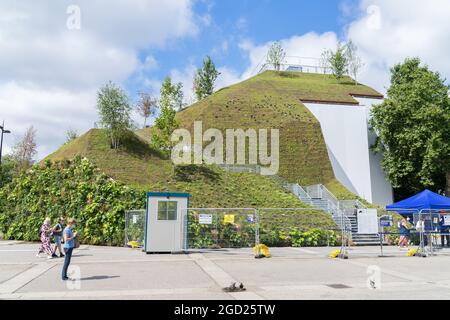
(70, 188)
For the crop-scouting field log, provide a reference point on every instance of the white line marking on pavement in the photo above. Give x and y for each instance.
(104, 293)
(24, 278)
(306, 251)
(222, 278)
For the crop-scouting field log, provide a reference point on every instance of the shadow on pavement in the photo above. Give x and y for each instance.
(99, 278)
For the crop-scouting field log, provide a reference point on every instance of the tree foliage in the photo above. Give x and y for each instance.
(413, 125)
(7, 170)
(25, 150)
(337, 61)
(73, 189)
(276, 55)
(205, 78)
(171, 100)
(354, 61)
(115, 112)
(71, 135)
(147, 106)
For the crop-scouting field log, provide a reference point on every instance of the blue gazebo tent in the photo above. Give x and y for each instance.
(426, 200)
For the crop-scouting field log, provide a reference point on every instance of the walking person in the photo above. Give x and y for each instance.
(444, 230)
(57, 236)
(45, 234)
(404, 234)
(69, 244)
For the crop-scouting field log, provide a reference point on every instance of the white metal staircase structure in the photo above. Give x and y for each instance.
(319, 197)
(343, 212)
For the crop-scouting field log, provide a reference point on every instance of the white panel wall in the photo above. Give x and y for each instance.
(345, 130)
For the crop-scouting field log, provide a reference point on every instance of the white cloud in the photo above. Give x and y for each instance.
(50, 73)
(387, 32)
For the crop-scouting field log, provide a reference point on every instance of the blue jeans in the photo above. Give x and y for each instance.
(67, 258)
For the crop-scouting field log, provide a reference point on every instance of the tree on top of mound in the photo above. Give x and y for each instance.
(115, 112)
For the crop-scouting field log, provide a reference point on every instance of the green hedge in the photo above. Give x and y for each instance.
(72, 189)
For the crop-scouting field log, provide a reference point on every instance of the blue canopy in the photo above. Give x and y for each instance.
(424, 200)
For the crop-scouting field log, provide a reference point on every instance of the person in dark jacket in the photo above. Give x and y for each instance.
(444, 229)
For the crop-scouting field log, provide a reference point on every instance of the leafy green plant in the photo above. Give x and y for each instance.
(72, 189)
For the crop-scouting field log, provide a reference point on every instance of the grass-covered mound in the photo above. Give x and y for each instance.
(70, 188)
(136, 164)
(274, 100)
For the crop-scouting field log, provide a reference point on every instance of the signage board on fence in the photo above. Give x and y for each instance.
(228, 218)
(205, 219)
(367, 221)
(447, 220)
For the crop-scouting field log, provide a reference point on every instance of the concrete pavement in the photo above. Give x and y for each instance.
(291, 273)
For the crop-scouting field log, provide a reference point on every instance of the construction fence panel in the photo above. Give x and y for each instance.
(219, 228)
(285, 227)
(135, 227)
(428, 232)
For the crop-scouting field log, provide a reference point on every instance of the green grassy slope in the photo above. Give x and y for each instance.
(139, 166)
(273, 100)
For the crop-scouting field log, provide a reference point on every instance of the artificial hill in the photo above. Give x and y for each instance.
(274, 100)
(116, 180)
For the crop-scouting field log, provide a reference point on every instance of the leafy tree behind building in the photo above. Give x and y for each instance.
(413, 125)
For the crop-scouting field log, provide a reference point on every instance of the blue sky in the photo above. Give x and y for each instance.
(232, 21)
(51, 72)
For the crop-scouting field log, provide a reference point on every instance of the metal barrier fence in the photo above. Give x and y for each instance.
(428, 230)
(286, 227)
(218, 228)
(135, 227)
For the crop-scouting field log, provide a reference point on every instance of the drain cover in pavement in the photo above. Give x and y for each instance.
(338, 286)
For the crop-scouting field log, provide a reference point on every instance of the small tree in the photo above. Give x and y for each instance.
(171, 94)
(25, 150)
(171, 99)
(354, 61)
(146, 106)
(205, 78)
(276, 55)
(71, 135)
(115, 112)
(7, 170)
(413, 125)
(337, 61)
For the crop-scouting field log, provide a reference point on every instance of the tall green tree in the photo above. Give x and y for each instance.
(115, 112)
(413, 125)
(337, 61)
(7, 170)
(276, 55)
(205, 78)
(171, 100)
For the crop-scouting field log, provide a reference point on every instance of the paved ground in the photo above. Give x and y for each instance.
(291, 273)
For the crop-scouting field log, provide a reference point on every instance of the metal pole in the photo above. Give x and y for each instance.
(258, 251)
(1, 143)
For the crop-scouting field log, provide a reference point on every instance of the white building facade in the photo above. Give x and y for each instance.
(346, 132)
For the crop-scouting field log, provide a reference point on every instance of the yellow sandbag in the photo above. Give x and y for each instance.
(335, 254)
(411, 252)
(133, 244)
(263, 250)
